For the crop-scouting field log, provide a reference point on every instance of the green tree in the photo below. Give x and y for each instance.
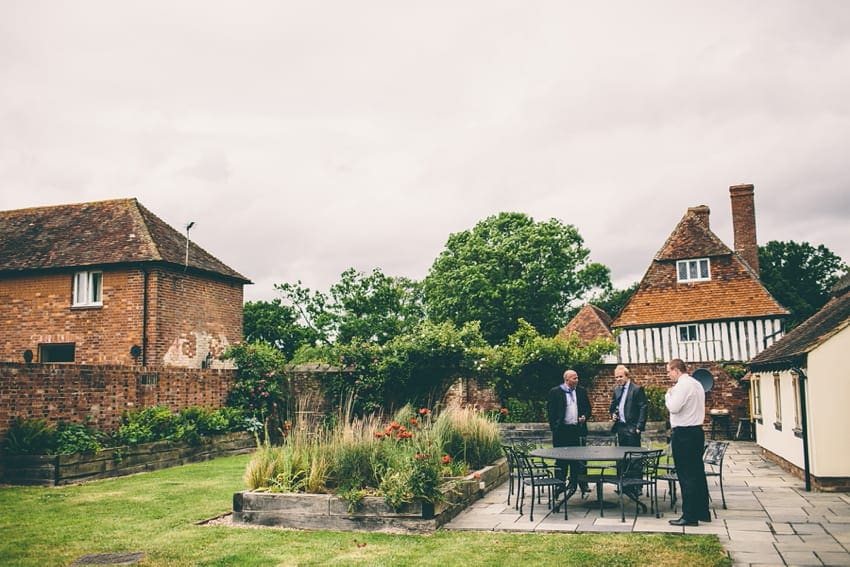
(799, 276)
(528, 365)
(415, 367)
(374, 307)
(277, 324)
(420, 366)
(370, 307)
(510, 267)
(611, 301)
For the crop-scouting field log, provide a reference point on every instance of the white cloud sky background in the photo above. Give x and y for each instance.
(303, 138)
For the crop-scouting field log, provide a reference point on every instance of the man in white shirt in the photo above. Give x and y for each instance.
(686, 403)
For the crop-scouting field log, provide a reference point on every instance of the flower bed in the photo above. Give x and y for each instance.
(55, 470)
(372, 514)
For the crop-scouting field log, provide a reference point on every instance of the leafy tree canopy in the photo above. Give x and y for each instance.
(611, 301)
(367, 307)
(277, 324)
(510, 267)
(799, 276)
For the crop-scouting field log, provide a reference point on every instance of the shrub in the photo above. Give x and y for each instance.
(524, 411)
(30, 437)
(146, 425)
(72, 438)
(657, 410)
(260, 388)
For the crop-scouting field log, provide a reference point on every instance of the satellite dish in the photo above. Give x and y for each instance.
(705, 378)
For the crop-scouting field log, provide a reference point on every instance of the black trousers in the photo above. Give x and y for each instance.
(626, 435)
(688, 445)
(568, 436)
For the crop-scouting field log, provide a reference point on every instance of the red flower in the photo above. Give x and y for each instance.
(413, 421)
(424, 411)
(476, 476)
(446, 459)
(379, 434)
(395, 425)
(504, 411)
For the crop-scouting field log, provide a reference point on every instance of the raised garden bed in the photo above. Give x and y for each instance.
(330, 512)
(55, 470)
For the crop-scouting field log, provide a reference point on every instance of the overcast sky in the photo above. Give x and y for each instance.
(304, 138)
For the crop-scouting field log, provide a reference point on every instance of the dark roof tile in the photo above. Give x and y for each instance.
(100, 233)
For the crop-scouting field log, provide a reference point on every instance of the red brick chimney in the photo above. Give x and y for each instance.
(701, 212)
(744, 224)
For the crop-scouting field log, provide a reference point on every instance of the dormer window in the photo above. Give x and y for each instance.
(88, 289)
(693, 270)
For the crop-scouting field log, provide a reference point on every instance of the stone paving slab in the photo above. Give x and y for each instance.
(770, 520)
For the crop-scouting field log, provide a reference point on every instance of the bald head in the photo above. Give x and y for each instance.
(571, 378)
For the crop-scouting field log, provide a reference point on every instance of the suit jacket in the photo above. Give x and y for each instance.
(636, 406)
(556, 407)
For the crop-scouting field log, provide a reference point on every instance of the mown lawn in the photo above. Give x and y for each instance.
(158, 513)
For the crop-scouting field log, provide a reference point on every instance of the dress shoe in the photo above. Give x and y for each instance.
(683, 522)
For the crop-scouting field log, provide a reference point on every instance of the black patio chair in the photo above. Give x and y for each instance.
(638, 470)
(538, 481)
(713, 456)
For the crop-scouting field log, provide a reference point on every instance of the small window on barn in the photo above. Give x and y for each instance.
(693, 270)
(755, 393)
(777, 393)
(88, 289)
(56, 352)
(688, 333)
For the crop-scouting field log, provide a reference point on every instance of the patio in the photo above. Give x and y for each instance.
(770, 520)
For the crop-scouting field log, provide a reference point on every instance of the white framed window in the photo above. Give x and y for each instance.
(795, 386)
(688, 333)
(755, 391)
(777, 392)
(88, 289)
(693, 270)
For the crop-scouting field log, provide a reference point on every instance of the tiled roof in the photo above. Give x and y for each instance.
(96, 234)
(589, 323)
(691, 239)
(734, 291)
(791, 349)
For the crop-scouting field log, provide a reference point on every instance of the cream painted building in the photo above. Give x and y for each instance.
(800, 394)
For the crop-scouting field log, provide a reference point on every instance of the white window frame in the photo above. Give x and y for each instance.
(696, 270)
(795, 385)
(777, 392)
(689, 332)
(755, 385)
(88, 289)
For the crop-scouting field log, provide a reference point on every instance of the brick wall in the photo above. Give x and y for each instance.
(727, 392)
(187, 317)
(99, 394)
(191, 317)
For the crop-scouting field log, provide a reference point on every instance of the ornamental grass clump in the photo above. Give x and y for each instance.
(404, 458)
(466, 434)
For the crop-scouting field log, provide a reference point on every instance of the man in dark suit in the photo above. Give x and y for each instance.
(568, 409)
(628, 409)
